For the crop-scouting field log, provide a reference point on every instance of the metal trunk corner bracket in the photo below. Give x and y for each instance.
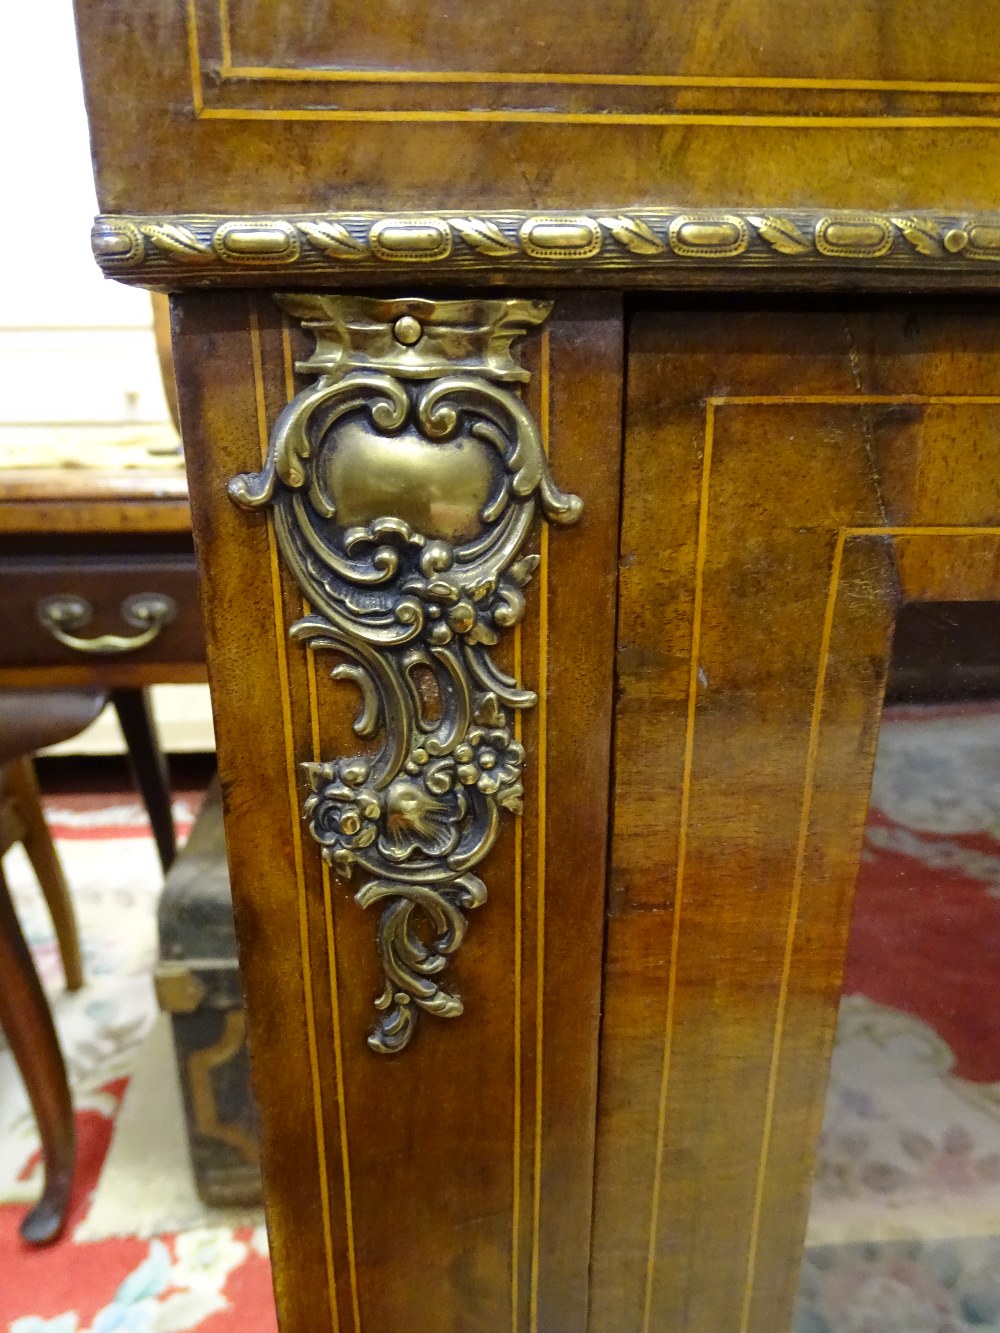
(404, 484)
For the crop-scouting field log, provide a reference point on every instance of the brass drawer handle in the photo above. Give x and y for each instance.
(148, 612)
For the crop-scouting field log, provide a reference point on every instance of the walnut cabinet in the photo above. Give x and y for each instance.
(570, 408)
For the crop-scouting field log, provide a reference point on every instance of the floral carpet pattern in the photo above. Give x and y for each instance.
(908, 1148)
(901, 1287)
(215, 1281)
(212, 1280)
(904, 1235)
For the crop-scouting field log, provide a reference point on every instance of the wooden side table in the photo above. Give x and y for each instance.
(565, 429)
(97, 570)
(94, 539)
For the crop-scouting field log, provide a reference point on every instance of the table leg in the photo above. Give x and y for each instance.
(149, 766)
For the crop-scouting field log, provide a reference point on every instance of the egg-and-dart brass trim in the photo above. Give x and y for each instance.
(630, 245)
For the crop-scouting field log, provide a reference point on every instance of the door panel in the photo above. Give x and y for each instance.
(790, 479)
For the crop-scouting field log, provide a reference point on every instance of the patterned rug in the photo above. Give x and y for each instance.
(904, 1235)
(213, 1279)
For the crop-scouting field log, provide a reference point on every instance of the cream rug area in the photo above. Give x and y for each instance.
(146, 1187)
(909, 1151)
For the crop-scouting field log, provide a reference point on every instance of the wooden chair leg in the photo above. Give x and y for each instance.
(31, 1034)
(37, 840)
(149, 767)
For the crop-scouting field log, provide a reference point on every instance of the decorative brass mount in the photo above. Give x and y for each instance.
(404, 484)
(641, 246)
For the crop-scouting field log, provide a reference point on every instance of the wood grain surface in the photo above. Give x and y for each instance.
(70, 500)
(791, 477)
(450, 1187)
(251, 107)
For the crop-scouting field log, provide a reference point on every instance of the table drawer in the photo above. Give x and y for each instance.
(93, 609)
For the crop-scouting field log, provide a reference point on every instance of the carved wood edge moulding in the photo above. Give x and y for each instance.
(632, 246)
(404, 484)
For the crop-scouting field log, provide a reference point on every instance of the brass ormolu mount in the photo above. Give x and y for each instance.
(404, 484)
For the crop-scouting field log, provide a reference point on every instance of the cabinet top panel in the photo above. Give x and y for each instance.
(253, 106)
(598, 40)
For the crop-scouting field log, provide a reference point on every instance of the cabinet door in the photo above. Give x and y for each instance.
(425, 1169)
(792, 479)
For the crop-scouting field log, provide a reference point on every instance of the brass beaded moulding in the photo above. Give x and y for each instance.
(630, 244)
(404, 484)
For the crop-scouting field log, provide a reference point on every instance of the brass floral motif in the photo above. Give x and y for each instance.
(200, 249)
(404, 484)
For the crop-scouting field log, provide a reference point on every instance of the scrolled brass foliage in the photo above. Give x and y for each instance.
(404, 484)
(483, 236)
(333, 239)
(634, 234)
(177, 241)
(782, 235)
